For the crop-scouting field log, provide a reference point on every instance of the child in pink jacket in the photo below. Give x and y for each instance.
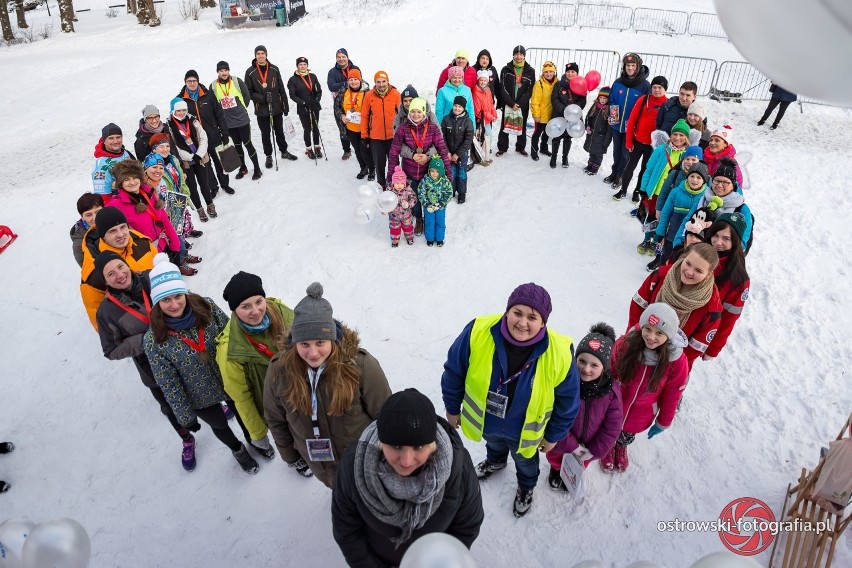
(652, 369)
(598, 422)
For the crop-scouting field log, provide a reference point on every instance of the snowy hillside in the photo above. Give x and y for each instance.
(91, 444)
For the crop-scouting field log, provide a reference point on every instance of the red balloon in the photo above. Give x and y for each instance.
(578, 86)
(593, 79)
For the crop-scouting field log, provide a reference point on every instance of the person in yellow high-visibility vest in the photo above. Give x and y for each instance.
(510, 379)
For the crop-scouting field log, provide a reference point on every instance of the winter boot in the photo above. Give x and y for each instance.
(318, 152)
(371, 175)
(761, 122)
(309, 152)
(774, 126)
(485, 469)
(461, 198)
(4, 487)
(616, 183)
(202, 215)
(195, 234)
(553, 161)
(621, 461)
(268, 162)
(636, 197)
(187, 270)
(191, 259)
(229, 414)
(544, 150)
(642, 248)
(523, 502)
(430, 243)
(555, 480)
(243, 171)
(534, 154)
(211, 210)
(346, 155)
(362, 174)
(257, 174)
(654, 264)
(301, 468)
(288, 156)
(418, 227)
(6, 447)
(409, 240)
(564, 161)
(608, 461)
(228, 189)
(589, 171)
(522, 152)
(440, 244)
(263, 447)
(245, 460)
(620, 194)
(188, 456)
(609, 179)
(394, 244)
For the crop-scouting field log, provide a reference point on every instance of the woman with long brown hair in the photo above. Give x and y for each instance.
(321, 390)
(650, 365)
(181, 347)
(688, 287)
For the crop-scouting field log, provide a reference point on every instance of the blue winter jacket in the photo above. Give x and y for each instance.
(784, 95)
(444, 101)
(625, 97)
(675, 177)
(679, 202)
(656, 165)
(336, 79)
(734, 201)
(669, 114)
(567, 395)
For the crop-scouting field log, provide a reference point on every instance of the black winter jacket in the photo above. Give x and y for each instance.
(209, 113)
(366, 542)
(458, 133)
(121, 333)
(494, 80)
(303, 97)
(669, 113)
(142, 145)
(507, 84)
(598, 141)
(274, 87)
(562, 97)
(336, 80)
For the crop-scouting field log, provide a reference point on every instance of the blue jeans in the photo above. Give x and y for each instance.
(497, 450)
(619, 153)
(434, 225)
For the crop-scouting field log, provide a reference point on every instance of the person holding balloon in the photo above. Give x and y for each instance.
(571, 90)
(541, 108)
(598, 132)
(400, 218)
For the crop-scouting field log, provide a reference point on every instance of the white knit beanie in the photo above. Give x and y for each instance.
(165, 279)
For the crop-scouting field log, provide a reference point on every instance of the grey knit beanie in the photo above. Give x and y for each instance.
(663, 317)
(313, 317)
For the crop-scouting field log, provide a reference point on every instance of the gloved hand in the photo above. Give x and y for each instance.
(205, 159)
(366, 143)
(225, 139)
(269, 98)
(655, 429)
(582, 453)
(196, 158)
(301, 468)
(194, 427)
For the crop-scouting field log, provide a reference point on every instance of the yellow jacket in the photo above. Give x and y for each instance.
(541, 106)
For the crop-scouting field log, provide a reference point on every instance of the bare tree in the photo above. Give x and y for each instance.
(132, 8)
(146, 15)
(66, 16)
(19, 11)
(6, 24)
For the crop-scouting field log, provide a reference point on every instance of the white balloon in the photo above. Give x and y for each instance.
(60, 543)
(645, 564)
(387, 201)
(576, 129)
(589, 564)
(555, 127)
(13, 534)
(572, 111)
(807, 58)
(725, 560)
(368, 193)
(365, 213)
(437, 550)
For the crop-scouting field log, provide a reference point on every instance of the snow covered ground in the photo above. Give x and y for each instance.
(91, 443)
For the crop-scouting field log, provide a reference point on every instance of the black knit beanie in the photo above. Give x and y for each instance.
(107, 218)
(407, 419)
(240, 287)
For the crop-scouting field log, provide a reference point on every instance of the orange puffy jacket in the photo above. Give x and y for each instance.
(378, 112)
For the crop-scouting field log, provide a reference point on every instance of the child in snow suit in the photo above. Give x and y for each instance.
(662, 161)
(598, 423)
(598, 132)
(486, 114)
(458, 134)
(434, 192)
(88, 206)
(689, 158)
(651, 367)
(541, 108)
(400, 219)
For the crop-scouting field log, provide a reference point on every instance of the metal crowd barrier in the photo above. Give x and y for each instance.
(665, 22)
(548, 14)
(604, 16)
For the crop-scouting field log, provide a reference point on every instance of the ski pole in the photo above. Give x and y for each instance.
(311, 113)
(322, 145)
(274, 141)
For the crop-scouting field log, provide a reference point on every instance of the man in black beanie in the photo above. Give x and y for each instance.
(108, 152)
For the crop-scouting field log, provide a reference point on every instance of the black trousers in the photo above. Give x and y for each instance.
(640, 152)
(364, 157)
(215, 417)
(310, 126)
(380, 150)
(266, 127)
(771, 106)
(166, 409)
(198, 177)
(539, 133)
(345, 136)
(566, 147)
(242, 136)
(216, 176)
(503, 138)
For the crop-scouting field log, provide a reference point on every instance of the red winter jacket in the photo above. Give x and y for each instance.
(483, 106)
(733, 300)
(642, 406)
(702, 324)
(643, 120)
(713, 160)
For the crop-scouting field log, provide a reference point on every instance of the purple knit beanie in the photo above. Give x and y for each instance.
(533, 296)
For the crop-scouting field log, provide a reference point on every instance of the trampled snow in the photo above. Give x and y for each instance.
(91, 444)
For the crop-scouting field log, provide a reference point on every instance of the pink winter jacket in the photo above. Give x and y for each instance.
(642, 406)
(145, 223)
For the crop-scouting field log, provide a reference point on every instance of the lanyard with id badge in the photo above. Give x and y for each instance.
(319, 449)
(496, 403)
